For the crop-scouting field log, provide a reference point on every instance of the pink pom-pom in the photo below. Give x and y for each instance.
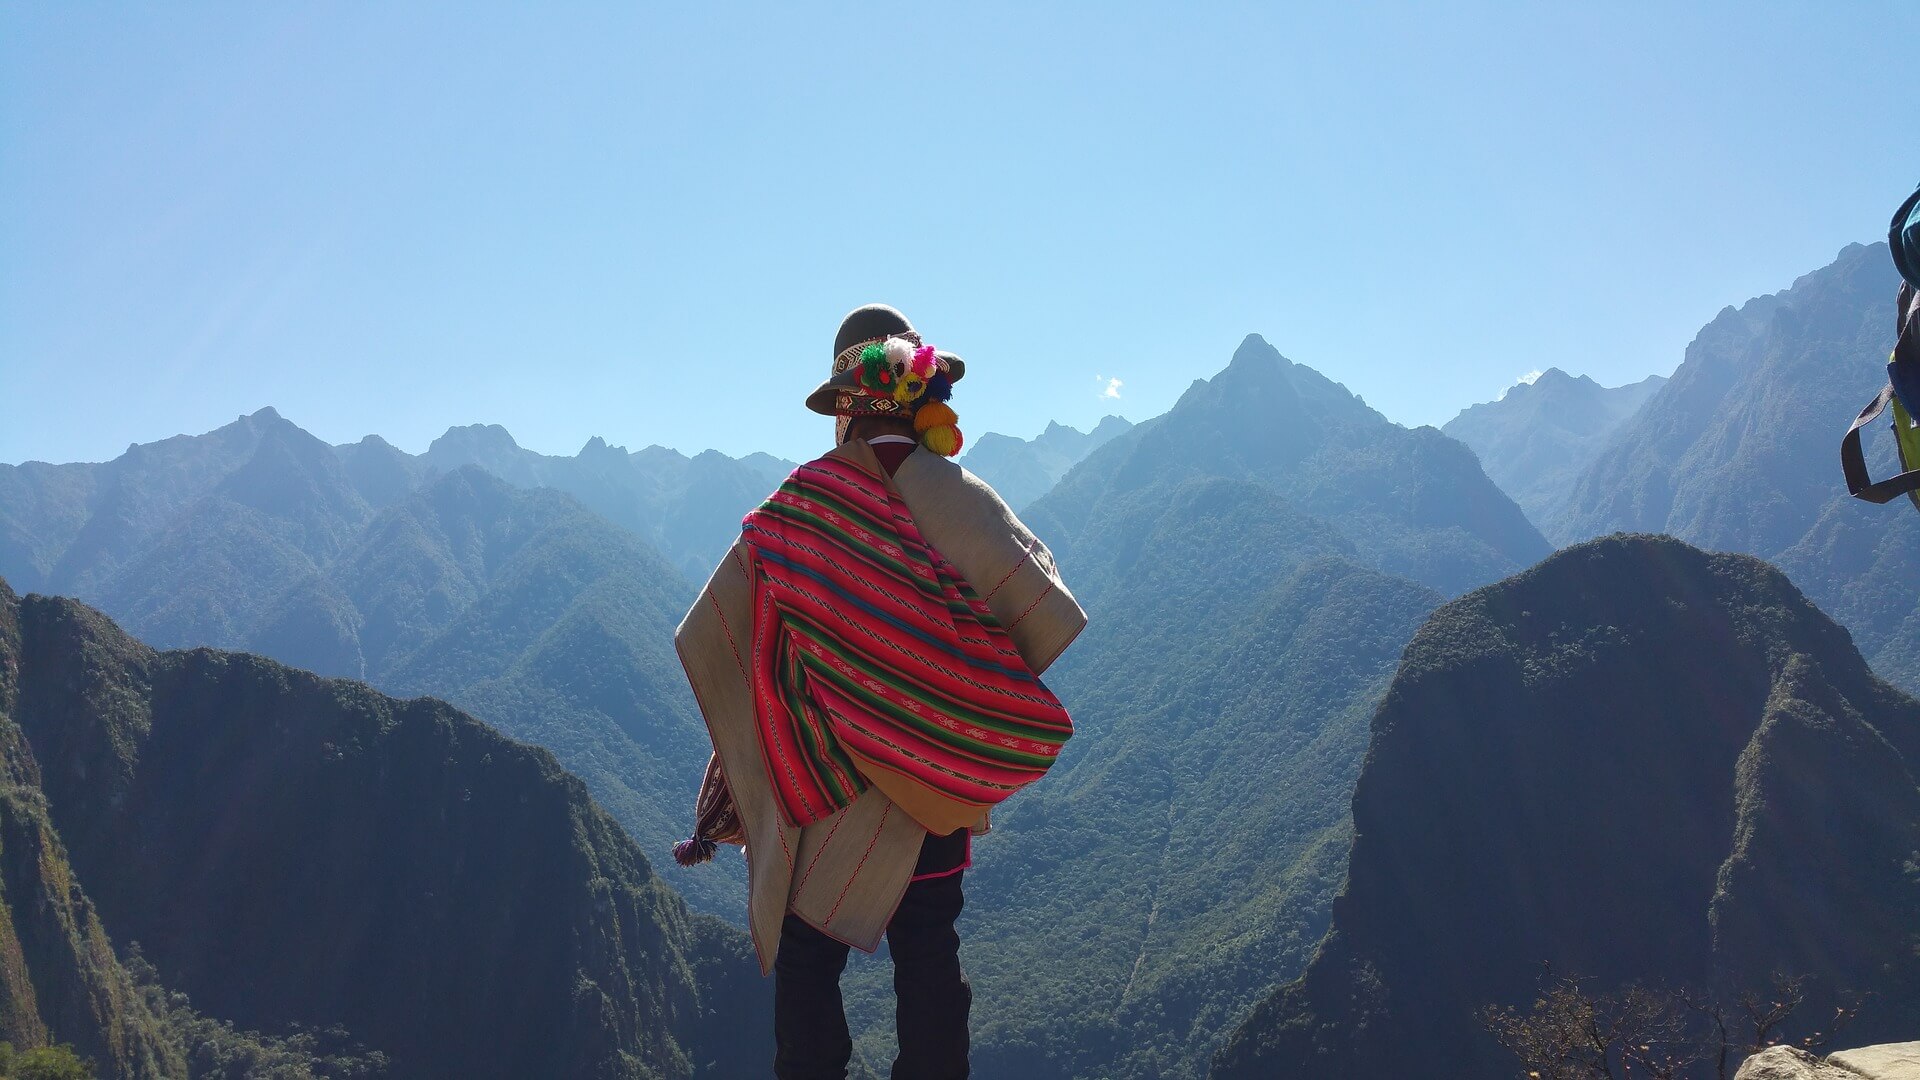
(924, 361)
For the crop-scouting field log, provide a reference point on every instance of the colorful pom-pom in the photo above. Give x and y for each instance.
(899, 352)
(934, 414)
(944, 440)
(873, 368)
(939, 388)
(938, 428)
(925, 362)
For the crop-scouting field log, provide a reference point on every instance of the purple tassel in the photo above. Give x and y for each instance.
(695, 851)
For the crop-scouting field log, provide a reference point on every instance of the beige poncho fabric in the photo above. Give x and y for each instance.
(845, 874)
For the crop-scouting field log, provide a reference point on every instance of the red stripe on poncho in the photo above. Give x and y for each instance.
(874, 662)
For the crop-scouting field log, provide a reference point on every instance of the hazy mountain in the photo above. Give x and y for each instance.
(1412, 502)
(1022, 470)
(1537, 438)
(183, 539)
(1627, 763)
(382, 473)
(123, 533)
(1740, 452)
(292, 849)
(521, 606)
(690, 508)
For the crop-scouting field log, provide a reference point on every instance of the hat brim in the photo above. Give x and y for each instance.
(826, 397)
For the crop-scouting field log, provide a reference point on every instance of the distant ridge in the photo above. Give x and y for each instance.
(1535, 439)
(1022, 470)
(690, 508)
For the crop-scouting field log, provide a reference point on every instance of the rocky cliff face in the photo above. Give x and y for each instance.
(1636, 762)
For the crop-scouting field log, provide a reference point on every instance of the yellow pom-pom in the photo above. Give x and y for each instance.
(943, 440)
(934, 414)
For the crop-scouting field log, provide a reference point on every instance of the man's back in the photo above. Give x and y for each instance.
(867, 658)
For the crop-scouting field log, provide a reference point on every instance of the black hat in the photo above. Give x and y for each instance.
(843, 394)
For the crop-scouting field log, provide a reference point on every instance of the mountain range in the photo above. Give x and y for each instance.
(1625, 764)
(1538, 437)
(1022, 470)
(688, 508)
(1255, 562)
(464, 574)
(285, 849)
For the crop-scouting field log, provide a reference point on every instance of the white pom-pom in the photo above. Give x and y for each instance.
(899, 353)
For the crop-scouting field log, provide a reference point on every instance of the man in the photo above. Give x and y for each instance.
(867, 660)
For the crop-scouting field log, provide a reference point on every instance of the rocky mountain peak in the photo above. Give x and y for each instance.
(473, 439)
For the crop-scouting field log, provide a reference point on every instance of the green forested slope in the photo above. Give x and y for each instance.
(60, 979)
(1635, 762)
(291, 849)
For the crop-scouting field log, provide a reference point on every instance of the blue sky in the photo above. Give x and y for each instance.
(644, 222)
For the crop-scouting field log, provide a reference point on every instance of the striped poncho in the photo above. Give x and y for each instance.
(875, 663)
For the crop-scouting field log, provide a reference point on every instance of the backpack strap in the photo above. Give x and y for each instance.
(1903, 373)
(1854, 463)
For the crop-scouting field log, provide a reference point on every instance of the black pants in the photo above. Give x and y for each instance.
(931, 995)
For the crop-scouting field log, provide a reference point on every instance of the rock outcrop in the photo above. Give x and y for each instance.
(1890, 1061)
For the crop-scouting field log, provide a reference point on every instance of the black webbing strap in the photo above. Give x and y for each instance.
(1854, 463)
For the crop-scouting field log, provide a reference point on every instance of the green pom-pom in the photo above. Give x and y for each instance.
(873, 368)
